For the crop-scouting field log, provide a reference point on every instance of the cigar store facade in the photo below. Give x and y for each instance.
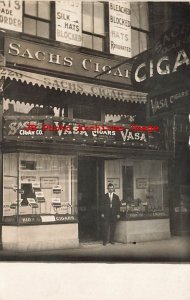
(53, 77)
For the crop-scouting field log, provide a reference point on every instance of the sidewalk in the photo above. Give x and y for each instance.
(176, 249)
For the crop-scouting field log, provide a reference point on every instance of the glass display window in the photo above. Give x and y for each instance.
(142, 186)
(39, 188)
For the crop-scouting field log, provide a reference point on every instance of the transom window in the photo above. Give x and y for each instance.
(37, 18)
(93, 25)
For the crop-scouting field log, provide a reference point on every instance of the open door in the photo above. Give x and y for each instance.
(89, 186)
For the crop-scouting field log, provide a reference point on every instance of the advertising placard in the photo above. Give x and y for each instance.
(81, 133)
(120, 28)
(52, 58)
(68, 22)
(11, 15)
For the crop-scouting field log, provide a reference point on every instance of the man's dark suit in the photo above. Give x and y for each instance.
(110, 216)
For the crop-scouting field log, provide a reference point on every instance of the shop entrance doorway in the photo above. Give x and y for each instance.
(90, 182)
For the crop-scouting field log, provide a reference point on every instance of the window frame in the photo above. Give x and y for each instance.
(51, 20)
(141, 30)
(104, 37)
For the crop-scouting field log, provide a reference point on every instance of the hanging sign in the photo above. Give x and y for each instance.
(11, 15)
(167, 64)
(68, 22)
(120, 28)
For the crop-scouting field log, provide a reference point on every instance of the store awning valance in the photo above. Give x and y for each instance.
(73, 86)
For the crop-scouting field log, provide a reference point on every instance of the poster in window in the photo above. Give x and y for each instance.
(120, 28)
(68, 22)
(142, 183)
(11, 15)
(48, 182)
(114, 181)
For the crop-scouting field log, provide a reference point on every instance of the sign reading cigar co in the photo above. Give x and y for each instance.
(65, 61)
(23, 128)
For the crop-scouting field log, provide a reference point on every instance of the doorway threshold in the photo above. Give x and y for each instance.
(90, 244)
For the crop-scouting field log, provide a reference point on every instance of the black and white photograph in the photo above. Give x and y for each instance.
(94, 131)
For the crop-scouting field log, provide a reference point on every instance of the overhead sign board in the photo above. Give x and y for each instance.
(67, 62)
(166, 64)
(70, 132)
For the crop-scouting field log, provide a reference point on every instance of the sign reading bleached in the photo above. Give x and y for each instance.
(120, 28)
(68, 22)
(11, 15)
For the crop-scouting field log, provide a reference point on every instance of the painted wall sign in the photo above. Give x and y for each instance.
(68, 22)
(11, 15)
(64, 61)
(120, 28)
(69, 132)
(166, 64)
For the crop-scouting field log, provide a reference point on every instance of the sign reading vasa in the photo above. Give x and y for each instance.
(165, 65)
(168, 101)
(60, 60)
(16, 130)
(11, 15)
(68, 22)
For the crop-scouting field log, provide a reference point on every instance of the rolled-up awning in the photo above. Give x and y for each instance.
(73, 86)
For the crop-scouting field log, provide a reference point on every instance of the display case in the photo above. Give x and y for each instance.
(39, 189)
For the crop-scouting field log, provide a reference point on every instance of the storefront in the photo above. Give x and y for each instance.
(163, 72)
(60, 149)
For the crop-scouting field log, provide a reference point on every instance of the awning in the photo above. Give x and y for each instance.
(73, 86)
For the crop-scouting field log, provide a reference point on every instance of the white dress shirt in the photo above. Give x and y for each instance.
(111, 197)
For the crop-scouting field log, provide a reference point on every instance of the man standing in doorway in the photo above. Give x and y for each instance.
(110, 209)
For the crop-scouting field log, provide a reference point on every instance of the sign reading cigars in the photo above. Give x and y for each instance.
(69, 132)
(167, 64)
(164, 70)
(64, 61)
(165, 102)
